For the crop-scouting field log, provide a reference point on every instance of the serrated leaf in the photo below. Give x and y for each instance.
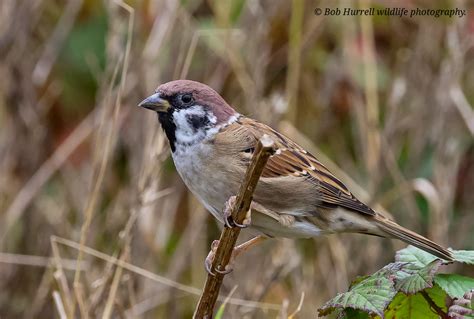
(454, 285)
(411, 278)
(420, 257)
(415, 306)
(415, 256)
(408, 285)
(371, 295)
(357, 280)
(464, 256)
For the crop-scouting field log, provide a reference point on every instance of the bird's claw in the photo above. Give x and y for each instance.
(210, 259)
(231, 223)
(228, 269)
(229, 220)
(208, 267)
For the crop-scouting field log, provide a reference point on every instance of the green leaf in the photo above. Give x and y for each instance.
(418, 270)
(411, 278)
(421, 258)
(464, 256)
(371, 295)
(438, 296)
(454, 285)
(415, 306)
(415, 256)
(407, 288)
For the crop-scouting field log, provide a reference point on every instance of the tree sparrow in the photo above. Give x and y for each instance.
(296, 196)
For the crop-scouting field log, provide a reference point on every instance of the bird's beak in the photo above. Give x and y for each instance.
(156, 103)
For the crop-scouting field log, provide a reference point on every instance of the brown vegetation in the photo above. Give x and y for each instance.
(94, 219)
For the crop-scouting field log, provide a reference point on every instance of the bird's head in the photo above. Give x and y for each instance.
(189, 111)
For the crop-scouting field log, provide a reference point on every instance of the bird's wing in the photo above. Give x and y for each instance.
(292, 160)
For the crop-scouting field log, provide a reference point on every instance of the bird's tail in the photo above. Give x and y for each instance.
(392, 229)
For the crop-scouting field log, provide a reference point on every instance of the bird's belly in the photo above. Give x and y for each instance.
(213, 186)
(299, 228)
(207, 183)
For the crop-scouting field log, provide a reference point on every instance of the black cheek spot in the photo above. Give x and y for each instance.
(197, 122)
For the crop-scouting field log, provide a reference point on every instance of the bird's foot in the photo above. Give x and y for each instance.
(229, 220)
(210, 259)
(236, 252)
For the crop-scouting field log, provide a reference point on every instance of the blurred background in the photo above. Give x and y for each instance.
(87, 183)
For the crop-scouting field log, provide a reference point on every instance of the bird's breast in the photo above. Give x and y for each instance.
(205, 177)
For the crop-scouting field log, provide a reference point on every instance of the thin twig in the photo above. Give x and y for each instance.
(94, 196)
(371, 114)
(294, 58)
(53, 46)
(155, 277)
(463, 106)
(39, 261)
(298, 308)
(115, 285)
(59, 305)
(45, 172)
(228, 239)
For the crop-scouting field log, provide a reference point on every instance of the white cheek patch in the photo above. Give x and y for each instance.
(192, 124)
(195, 124)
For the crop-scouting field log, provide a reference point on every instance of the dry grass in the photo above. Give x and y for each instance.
(94, 220)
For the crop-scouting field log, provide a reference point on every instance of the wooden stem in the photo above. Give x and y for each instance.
(205, 308)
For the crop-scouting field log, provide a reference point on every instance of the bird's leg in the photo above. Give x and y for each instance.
(210, 257)
(284, 219)
(229, 221)
(236, 252)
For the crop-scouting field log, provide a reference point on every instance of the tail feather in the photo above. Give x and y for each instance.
(412, 238)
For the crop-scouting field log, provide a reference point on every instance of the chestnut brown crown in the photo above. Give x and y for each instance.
(200, 93)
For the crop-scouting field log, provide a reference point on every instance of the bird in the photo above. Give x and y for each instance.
(296, 196)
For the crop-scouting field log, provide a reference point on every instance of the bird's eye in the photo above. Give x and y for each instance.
(186, 98)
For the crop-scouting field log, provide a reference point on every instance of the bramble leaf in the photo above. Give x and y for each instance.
(454, 285)
(416, 257)
(411, 278)
(419, 257)
(415, 306)
(464, 256)
(371, 295)
(408, 288)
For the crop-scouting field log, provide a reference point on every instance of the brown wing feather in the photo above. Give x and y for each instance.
(292, 159)
(294, 162)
